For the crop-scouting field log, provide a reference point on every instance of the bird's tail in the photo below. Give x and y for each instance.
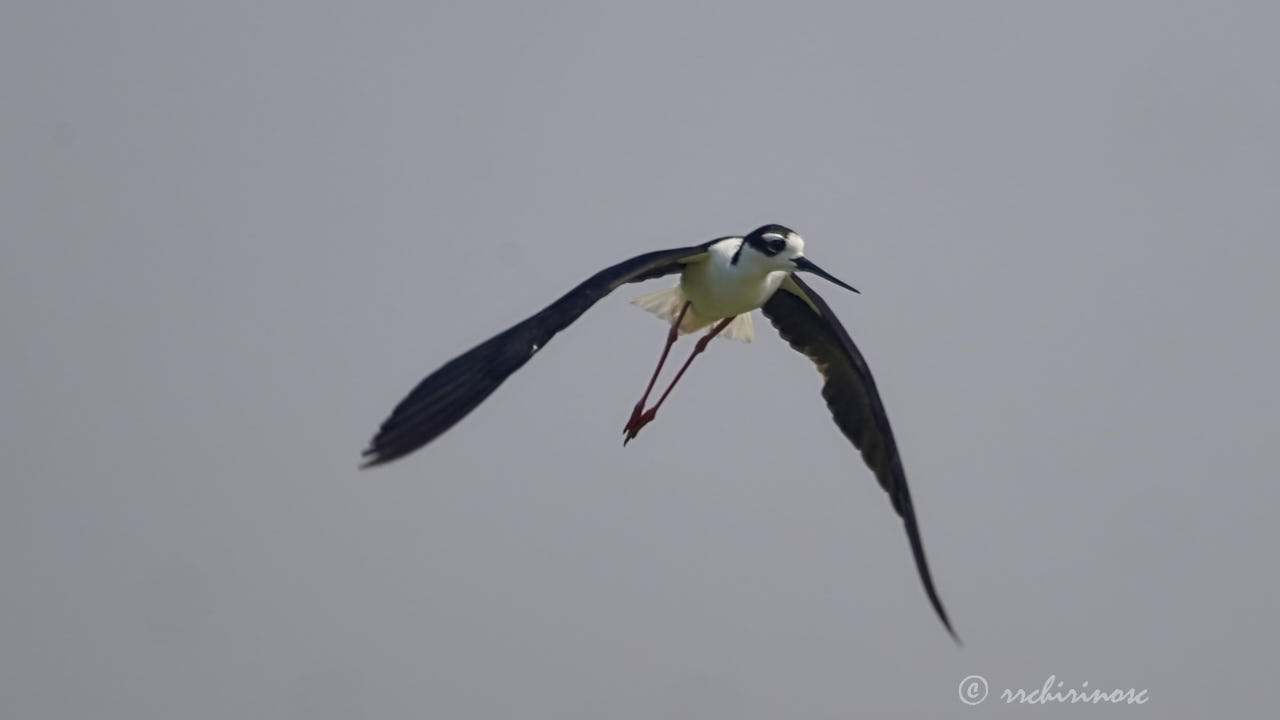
(666, 304)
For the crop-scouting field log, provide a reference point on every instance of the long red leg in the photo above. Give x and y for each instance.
(672, 334)
(633, 428)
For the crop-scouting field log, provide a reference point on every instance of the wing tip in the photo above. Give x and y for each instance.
(373, 457)
(932, 592)
(946, 622)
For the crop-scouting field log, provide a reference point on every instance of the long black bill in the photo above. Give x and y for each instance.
(806, 265)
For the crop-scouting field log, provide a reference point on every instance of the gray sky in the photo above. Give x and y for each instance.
(235, 235)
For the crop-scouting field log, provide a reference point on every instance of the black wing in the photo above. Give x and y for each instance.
(448, 394)
(805, 321)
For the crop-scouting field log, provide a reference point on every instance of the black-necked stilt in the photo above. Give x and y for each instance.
(721, 282)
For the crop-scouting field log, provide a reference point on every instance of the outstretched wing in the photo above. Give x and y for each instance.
(448, 394)
(805, 321)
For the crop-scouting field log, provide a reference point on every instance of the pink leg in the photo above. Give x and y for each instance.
(633, 428)
(671, 339)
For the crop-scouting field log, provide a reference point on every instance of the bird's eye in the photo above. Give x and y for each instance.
(776, 246)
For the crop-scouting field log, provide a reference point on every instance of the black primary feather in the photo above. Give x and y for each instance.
(855, 404)
(446, 396)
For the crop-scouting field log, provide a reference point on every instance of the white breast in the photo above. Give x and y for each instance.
(719, 289)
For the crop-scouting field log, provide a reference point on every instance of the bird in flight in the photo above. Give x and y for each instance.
(721, 282)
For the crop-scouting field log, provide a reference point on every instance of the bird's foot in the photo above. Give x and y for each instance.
(638, 420)
(636, 412)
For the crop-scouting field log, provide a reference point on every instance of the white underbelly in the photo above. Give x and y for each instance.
(730, 294)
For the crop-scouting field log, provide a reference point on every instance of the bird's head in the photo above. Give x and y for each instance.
(782, 248)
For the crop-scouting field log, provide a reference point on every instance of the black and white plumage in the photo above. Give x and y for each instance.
(721, 282)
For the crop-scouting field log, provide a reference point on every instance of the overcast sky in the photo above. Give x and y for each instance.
(233, 235)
